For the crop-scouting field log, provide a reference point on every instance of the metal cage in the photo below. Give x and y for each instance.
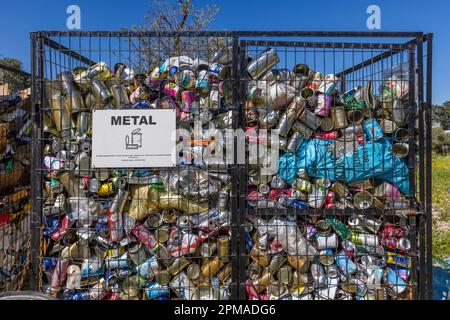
(15, 199)
(233, 232)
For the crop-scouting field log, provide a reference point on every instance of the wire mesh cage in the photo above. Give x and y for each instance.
(300, 170)
(15, 201)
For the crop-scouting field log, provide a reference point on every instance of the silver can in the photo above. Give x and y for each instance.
(266, 60)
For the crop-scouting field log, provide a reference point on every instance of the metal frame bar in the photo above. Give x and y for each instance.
(428, 182)
(337, 34)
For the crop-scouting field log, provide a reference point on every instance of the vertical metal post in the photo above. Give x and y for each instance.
(235, 256)
(422, 245)
(428, 199)
(411, 165)
(37, 72)
(242, 171)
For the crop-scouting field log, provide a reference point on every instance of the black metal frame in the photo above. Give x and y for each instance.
(241, 39)
(18, 73)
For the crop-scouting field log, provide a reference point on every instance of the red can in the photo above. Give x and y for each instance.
(59, 274)
(250, 290)
(58, 234)
(391, 230)
(187, 98)
(145, 236)
(332, 135)
(389, 243)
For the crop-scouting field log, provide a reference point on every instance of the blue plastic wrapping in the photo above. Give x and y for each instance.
(373, 159)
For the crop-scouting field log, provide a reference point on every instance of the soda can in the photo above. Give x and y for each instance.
(117, 262)
(262, 282)
(288, 118)
(316, 197)
(294, 141)
(61, 116)
(145, 236)
(59, 274)
(115, 220)
(327, 124)
(353, 130)
(308, 97)
(183, 287)
(137, 253)
(224, 274)
(404, 244)
(177, 265)
(387, 191)
(92, 267)
(75, 102)
(193, 271)
(310, 119)
(365, 239)
(119, 96)
(355, 116)
(263, 62)
(398, 260)
(298, 126)
(328, 84)
(400, 150)
(223, 243)
(326, 242)
(363, 200)
(372, 129)
(396, 284)
(339, 117)
(202, 83)
(187, 98)
(162, 277)
(284, 275)
(211, 267)
(318, 274)
(326, 257)
(388, 126)
(345, 264)
(400, 135)
(100, 92)
(399, 204)
(390, 243)
(323, 105)
(156, 290)
(149, 268)
(219, 70)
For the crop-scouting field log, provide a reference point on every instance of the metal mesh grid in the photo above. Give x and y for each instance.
(15, 135)
(329, 221)
(135, 233)
(255, 209)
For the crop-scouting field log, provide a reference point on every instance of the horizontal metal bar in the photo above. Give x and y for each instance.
(312, 211)
(380, 57)
(333, 45)
(15, 70)
(57, 46)
(124, 33)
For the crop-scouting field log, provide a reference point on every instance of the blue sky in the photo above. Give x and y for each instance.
(21, 17)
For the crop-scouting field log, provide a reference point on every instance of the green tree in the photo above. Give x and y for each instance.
(442, 115)
(440, 139)
(14, 80)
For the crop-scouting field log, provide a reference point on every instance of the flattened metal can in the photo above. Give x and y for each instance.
(372, 129)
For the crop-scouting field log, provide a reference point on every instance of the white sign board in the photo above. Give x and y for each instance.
(133, 138)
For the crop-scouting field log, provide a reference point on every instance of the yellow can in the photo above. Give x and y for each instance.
(106, 189)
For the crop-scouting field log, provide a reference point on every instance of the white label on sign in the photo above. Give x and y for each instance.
(133, 138)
